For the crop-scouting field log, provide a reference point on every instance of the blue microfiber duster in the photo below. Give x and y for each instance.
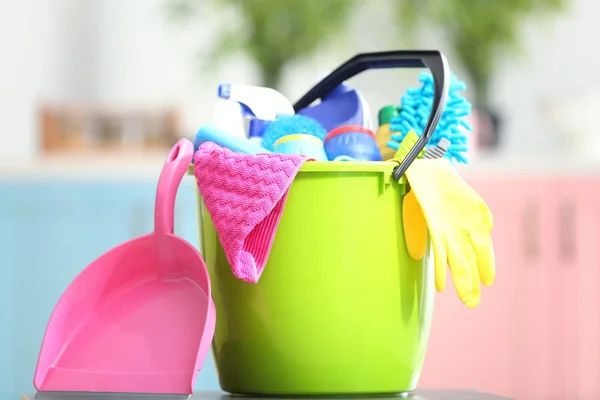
(416, 106)
(288, 125)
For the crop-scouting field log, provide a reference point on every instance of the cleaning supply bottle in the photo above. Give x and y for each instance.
(384, 133)
(260, 104)
(227, 116)
(344, 106)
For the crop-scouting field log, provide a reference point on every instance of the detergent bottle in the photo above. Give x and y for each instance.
(260, 105)
(384, 133)
(228, 116)
(344, 106)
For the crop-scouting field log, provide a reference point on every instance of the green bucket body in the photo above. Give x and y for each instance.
(341, 308)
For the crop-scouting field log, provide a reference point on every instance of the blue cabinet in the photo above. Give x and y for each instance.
(49, 232)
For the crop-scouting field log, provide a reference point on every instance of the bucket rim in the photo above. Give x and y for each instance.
(348, 166)
(385, 167)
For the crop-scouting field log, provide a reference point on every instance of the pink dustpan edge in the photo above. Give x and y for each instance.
(70, 307)
(119, 382)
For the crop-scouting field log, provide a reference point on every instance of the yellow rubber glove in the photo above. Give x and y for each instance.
(459, 224)
(415, 226)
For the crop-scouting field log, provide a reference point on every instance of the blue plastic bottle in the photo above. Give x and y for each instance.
(342, 107)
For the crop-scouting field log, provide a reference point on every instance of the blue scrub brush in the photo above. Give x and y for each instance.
(416, 106)
(288, 125)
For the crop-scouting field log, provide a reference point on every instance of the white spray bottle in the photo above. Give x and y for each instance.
(260, 104)
(228, 116)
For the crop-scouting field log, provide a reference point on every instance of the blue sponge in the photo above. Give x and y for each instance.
(416, 107)
(288, 125)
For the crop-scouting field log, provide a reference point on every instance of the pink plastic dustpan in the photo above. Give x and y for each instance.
(138, 319)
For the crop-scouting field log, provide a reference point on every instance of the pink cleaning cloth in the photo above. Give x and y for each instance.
(245, 196)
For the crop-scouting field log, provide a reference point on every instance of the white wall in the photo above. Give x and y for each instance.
(125, 53)
(27, 39)
(561, 67)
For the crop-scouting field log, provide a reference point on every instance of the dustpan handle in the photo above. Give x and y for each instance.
(173, 171)
(432, 59)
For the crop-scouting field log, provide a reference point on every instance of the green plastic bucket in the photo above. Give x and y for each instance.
(341, 308)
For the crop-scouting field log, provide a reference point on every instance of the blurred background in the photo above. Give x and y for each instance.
(94, 93)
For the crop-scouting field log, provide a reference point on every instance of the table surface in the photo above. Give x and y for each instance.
(417, 395)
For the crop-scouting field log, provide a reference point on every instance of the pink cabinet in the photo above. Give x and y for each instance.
(536, 340)
(475, 348)
(577, 307)
(536, 333)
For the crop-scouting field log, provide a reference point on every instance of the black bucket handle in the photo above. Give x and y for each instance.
(432, 59)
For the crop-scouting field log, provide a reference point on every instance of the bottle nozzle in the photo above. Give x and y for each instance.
(256, 101)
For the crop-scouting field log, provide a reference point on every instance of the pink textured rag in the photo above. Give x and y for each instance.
(245, 196)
